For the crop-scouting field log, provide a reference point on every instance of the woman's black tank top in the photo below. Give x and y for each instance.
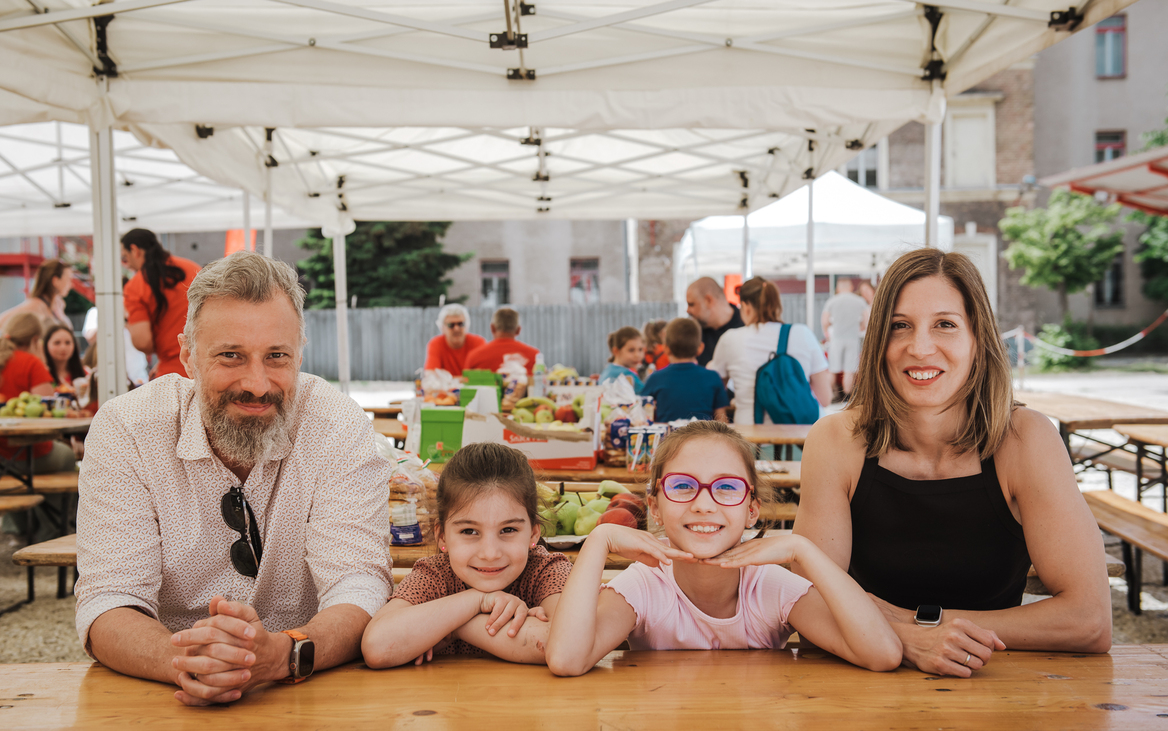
(950, 542)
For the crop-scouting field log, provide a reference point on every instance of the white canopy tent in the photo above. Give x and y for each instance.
(856, 231)
(45, 187)
(812, 82)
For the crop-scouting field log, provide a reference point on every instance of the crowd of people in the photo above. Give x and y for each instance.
(233, 525)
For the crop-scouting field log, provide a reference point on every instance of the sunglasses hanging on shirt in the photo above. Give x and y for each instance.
(237, 514)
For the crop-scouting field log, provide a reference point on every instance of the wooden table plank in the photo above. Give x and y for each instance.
(19, 503)
(54, 482)
(1153, 434)
(57, 552)
(391, 428)
(774, 433)
(381, 412)
(1076, 413)
(1112, 515)
(804, 689)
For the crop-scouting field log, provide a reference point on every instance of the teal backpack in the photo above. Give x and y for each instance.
(781, 390)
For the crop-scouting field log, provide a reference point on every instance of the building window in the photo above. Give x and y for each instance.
(584, 277)
(496, 278)
(1110, 145)
(1111, 48)
(970, 143)
(1109, 290)
(862, 168)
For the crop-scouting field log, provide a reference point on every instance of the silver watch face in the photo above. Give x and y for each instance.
(303, 658)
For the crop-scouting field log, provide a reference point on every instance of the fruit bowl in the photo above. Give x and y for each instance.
(564, 541)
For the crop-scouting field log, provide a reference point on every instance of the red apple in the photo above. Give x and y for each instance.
(566, 414)
(620, 516)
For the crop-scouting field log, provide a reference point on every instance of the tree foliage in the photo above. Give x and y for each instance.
(1153, 252)
(390, 264)
(1066, 246)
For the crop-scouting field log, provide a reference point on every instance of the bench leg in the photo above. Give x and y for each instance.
(1133, 560)
(61, 581)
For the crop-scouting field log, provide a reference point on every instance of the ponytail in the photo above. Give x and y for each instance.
(157, 270)
(763, 296)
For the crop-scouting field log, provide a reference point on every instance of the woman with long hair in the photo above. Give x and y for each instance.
(156, 298)
(62, 356)
(937, 491)
(740, 352)
(54, 279)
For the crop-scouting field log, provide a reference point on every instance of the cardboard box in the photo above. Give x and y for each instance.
(546, 449)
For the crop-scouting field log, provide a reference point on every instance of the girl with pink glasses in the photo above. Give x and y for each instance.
(704, 588)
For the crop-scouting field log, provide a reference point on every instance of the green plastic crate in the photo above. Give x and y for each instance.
(441, 434)
(483, 378)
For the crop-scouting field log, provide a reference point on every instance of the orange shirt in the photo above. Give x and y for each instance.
(439, 354)
(490, 356)
(21, 373)
(140, 307)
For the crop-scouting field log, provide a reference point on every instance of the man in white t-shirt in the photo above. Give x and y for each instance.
(845, 316)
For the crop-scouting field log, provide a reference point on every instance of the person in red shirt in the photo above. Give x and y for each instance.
(449, 349)
(20, 371)
(504, 331)
(156, 298)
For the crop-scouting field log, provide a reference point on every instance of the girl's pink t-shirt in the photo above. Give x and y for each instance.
(668, 620)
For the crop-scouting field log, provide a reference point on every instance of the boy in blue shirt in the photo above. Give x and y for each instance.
(685, 389)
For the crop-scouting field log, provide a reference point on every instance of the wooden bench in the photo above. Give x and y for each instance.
(1115, 459)
(1139, 527)
(47, 484)
(60, 552)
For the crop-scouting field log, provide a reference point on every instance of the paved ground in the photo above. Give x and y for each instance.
(44, 631)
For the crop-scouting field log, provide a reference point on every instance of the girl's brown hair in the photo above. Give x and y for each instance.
(987, 394)
(618, 338)
(73, 364)
(673, 442)
(654, 333)
(478, 469)
(763, 296)
(20, 333)
(42, 288)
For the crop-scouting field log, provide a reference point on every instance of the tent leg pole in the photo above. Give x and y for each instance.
(341, 290)
(811, 256)
(248, 242)
(932, 181)
(633, 254)
(107, 268)
(268, 212)
(747, 254)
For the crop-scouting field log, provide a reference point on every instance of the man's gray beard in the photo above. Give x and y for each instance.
(246, 440)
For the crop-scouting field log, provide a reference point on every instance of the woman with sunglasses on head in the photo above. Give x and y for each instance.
(937, 491)
(704, 589)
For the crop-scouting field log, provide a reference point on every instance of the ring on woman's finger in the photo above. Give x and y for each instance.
(967, 656)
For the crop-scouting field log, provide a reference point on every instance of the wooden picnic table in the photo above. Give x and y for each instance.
(381, 412)
(795, 688)
(390, 428)
(775, 480)
(792, 434)
(1078, 413)
(19, 431)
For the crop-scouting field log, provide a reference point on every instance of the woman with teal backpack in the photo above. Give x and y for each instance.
(742, 352)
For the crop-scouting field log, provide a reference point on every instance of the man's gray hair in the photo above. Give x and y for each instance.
(247, 276)
(453, 309)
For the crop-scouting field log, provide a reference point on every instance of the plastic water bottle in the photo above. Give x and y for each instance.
(538, 377)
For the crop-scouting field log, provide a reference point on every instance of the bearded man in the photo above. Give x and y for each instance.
(232, 529)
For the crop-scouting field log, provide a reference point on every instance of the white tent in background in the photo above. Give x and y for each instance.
(45, 187)
(810, 82)
(857, 231)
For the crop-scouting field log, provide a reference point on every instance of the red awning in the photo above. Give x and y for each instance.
(1137, 181)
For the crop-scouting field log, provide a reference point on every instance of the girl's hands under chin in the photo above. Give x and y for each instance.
(776, 550)
(638, 545)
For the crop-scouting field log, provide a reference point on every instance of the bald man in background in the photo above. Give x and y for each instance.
(706, 302)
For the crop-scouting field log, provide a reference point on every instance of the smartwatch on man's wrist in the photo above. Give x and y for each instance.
(301, 659)
(928, 615)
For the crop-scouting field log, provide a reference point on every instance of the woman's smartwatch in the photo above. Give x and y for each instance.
(301, 659)
(928, 615)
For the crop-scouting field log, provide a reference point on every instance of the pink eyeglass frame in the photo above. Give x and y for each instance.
(707, 486)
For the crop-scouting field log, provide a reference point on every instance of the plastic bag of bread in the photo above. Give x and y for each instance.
(440, 388)
(514, 373)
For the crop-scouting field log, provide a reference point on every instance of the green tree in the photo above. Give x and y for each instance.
(1153, 252)
(1066, 246)
(390, 264)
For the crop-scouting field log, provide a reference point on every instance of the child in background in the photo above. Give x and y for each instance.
(655, 358)
(705, 589)
(686, 390)
(492, 589)
(628, 349)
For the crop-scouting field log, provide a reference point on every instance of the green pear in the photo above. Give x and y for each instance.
(586, 520)
(523, 416)
(598, 505)
(547, 522)
(566, 513)
(544, 416)
(34, 410)
(612, 487)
